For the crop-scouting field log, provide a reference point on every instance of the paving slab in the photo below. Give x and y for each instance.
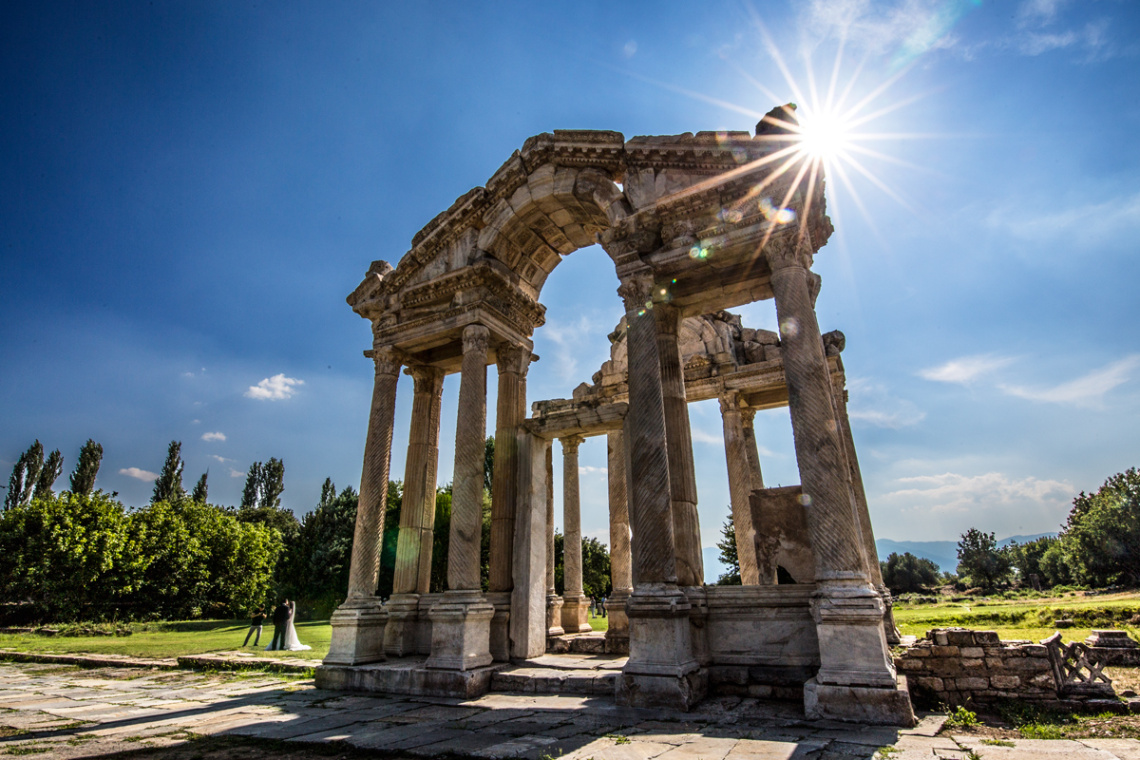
(1123, 749)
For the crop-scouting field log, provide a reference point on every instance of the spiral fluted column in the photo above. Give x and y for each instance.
(511, 410)
(682, 473)
(470, 444)
(358, 624)
(417, 516)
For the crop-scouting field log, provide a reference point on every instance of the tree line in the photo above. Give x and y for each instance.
(1097, 547)
(83, 555)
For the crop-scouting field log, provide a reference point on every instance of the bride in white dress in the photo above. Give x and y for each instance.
(292, 643)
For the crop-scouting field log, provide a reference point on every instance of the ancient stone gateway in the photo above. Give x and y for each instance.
(694, 224)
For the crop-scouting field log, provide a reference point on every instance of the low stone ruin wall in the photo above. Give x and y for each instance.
(959, 666)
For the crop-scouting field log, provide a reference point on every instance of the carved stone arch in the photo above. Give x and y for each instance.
(556, 211)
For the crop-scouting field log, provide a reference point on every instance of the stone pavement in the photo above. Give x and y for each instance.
(60, 711)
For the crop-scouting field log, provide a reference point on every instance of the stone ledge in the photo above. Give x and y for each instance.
(409, 677)
(90, 661)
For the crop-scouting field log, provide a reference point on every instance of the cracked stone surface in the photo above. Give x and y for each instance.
(57, 711)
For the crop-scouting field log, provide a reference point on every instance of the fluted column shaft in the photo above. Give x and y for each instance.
(682, 472)
(834, 532)
(417, 516)
(621, 576)
(550, 561)
(364, 566)
(748, 417)
(740, 489)
(467, 487)
(571, 519)
(511, 410)
(650, 501)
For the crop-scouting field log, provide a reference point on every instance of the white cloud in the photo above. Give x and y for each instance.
(1038, 12)
(274, 388)
(1087, 390)
(965, 369)
(955, 493)
(585, 469)
(213, 436)
(704, 436)
(1083, 224)
(908, 28)
(874, 404)
(143, 475)
(236, 473)
(223, 460)
(573, 341)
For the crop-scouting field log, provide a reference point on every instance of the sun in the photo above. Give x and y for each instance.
(824, 136)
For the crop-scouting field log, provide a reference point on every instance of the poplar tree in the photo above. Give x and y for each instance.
(168, 487)
(25, 474)
(272, 483)
(90, 457)
(252, 487)
(51, 471)
(200, 492)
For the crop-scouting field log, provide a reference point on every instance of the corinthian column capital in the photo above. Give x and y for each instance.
(788, 251)
(513, 358)
(426, 379)
(476, 338)
(388, 360)
(636, 290)
(571, 443)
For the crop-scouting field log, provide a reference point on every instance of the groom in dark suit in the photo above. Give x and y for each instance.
(281, 617)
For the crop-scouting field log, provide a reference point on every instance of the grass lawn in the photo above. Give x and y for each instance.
(173, 639)
(600, 623)
(1030, 618)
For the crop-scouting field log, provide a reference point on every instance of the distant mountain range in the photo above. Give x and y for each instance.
(942, 553)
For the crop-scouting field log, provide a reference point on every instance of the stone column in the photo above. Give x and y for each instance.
(358, 624)
(511, 410)
(856, 679)
(748, 417)
(528, 596)
(412, 575)
(575, 605)
(863, 514)
(461, 620)
(621, 577)
(682, 473)
(661, 670)
(553, 600)
(740, 484)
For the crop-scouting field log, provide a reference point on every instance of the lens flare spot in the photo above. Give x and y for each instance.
(805, 499)
(776, 214)
(730, 215)
(699, 251)
(789, 328)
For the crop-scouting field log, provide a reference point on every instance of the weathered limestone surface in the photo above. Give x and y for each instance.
(621, 573)
(688, 238)
(358, 624)
(575, 605)
(461, 620)
(412, 575)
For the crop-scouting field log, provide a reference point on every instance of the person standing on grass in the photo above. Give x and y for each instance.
(255, 624)
(281, 617)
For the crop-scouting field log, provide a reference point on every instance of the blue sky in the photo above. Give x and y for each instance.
(190, 190)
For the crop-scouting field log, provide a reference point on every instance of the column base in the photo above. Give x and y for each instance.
(403, 619)
(460, 631)
(576, 613)
(554, 615)
(617, 635)
(661, 671)
(500, 644)
(357, 632)
(859, 704)
(853, 648)
(890, 628)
